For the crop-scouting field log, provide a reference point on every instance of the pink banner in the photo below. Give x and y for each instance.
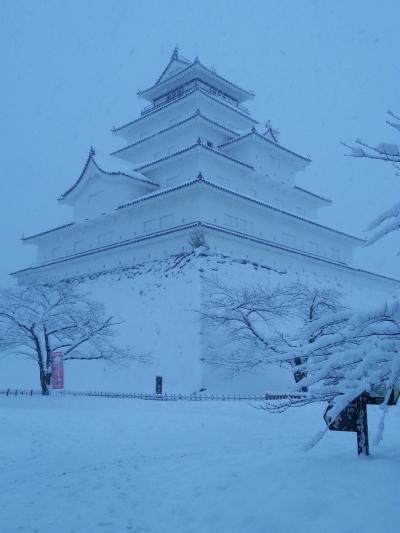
(57, 370)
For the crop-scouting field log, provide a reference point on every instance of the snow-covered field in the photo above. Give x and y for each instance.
(105, 465)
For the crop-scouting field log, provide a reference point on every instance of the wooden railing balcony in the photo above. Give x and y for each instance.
(175, 95)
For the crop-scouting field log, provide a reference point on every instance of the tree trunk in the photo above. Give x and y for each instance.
(299, 374)
(43, 381)
(41, 362)
(49, 357)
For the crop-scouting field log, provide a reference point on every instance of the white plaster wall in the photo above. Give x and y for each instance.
(188, 165)
(248, 217)
(100, 196)
(191, 204)
(143, 218)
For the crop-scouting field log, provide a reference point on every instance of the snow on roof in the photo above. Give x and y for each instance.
(188, 93)
(254, 132)
(322, 198)
(184, 227)
(47, 231)
(199, 144)
(196, 114)
(175, 58)
(134, 175)
(200, 178)
(192, 65)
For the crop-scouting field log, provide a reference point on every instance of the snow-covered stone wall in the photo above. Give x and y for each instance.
(159, 303)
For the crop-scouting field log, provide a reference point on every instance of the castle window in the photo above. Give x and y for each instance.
(231, 221)
(150, 225)
(166, 221)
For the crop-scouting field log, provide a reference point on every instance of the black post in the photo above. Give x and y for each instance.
(158, 384)
(362, 425)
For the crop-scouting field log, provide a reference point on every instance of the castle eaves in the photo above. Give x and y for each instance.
(195, 115)
(176, 100)
(194, 147)
(196, 64)
(261, 137)
(212, 227)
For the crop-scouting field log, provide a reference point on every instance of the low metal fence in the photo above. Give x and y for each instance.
(153, 396)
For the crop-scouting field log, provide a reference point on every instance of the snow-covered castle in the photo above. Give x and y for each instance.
(196, 167)
(195, 158)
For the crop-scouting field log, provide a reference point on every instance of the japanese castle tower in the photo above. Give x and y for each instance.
(201, 183)
(195, 160)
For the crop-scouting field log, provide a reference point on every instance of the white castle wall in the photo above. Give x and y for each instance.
(196, 202)
(99, 196)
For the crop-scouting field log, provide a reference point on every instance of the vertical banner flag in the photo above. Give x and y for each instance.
(57, 370)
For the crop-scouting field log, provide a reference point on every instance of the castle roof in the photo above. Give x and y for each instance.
(212, 227)
(253, 134)
(179, 99)
(92, 165)
(196, 114)
(177, 62)
(200, 179)
(42, 233)
(196, 146)
(191, 72)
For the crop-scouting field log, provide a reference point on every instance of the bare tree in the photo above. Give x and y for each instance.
(36, 321)
(262, 324)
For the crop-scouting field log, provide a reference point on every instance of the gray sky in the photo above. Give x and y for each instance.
(323, 72)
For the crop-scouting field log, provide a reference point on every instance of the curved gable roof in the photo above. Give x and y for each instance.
(90, 162)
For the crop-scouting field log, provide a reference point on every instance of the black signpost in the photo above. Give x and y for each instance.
(354, 417)
(158, 384)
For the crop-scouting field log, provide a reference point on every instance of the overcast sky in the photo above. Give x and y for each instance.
(323, 72)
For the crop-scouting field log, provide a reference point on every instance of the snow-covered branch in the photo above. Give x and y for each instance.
(39, 320)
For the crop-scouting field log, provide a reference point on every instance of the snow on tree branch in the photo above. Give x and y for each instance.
(389, 220)
(259, 322)
(36, 321)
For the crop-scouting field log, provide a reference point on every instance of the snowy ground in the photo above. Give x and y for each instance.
(104, 465)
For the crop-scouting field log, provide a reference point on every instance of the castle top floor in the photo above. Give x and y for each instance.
(181, 76)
